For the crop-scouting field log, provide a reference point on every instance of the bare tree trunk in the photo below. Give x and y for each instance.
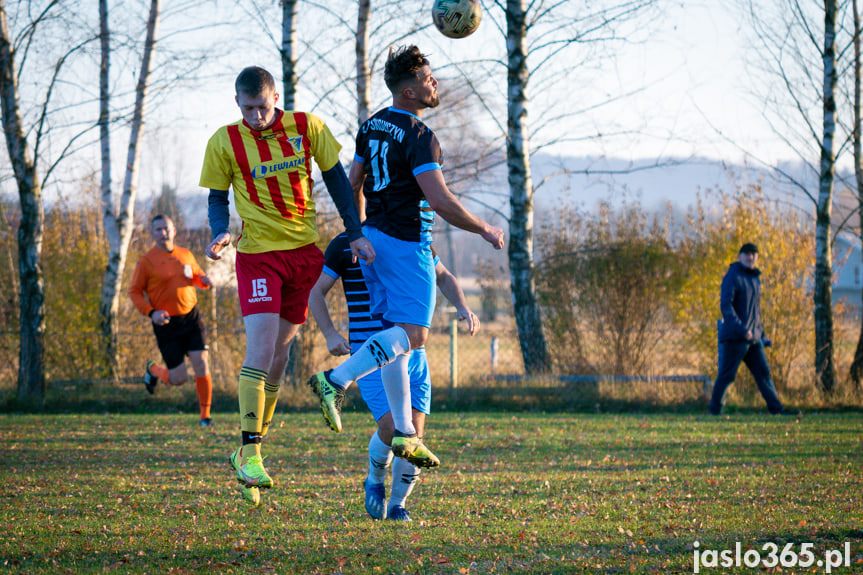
(856, 371)
(534, 349)
(31, 374)
(119, 228)
(297, 366)
(108, 309)
(289, 58)
(363, 73)
(824, 364)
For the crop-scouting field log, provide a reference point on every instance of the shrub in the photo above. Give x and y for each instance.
(605, 285)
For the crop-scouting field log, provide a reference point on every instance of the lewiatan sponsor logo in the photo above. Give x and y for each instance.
(267, 170)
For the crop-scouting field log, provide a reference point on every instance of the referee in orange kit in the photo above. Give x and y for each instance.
(168, 275)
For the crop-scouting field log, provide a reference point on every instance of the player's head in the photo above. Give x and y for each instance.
(256, 97)
(408, 75)
(163, 231)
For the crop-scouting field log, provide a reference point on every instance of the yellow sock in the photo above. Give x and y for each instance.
(271, 396)
(251, 395)
(204, 387)
(249, 450)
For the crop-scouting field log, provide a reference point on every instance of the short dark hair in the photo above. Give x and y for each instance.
(748, 249)
(158, 217)
(403, 65)
(254, 81)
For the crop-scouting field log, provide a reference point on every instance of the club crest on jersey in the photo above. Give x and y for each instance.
(297, 144)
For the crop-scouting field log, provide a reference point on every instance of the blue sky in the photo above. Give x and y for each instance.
(691, 66)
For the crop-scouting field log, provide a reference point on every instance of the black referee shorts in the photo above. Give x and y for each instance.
(182, 334)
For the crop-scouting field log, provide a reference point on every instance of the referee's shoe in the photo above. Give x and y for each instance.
(150, 380)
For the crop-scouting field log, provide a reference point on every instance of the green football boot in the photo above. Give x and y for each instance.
(250, 494)
(331, 397)
(414, 451)
(252, 472)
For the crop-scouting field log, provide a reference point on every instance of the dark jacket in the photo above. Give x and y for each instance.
(740, 304)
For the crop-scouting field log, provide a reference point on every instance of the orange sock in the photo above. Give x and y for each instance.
(161, 373)
(204, 387)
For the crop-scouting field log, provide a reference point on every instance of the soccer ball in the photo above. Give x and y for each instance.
(456, 18)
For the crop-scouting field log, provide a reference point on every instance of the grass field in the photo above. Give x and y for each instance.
(517, 493)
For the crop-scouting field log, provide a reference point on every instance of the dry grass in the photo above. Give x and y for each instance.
(535, 493)
(76, 370)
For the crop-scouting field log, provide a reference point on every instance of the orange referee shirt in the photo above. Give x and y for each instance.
(168, 280)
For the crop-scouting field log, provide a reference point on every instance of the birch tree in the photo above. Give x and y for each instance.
(119, 219)
(534, 349)
(549, 35)
(27, 134)
(361, 50)
(797, 73)
(825, 367)
(856, 370)
(31, 374)
(288, 53)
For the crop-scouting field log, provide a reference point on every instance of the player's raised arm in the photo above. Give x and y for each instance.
(336, 343)
(357, 176)
(445, 204)
(449, 287)
(219, 216)
(340, 190)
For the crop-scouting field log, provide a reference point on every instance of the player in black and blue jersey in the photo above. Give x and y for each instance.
(397, 167)
(362, 325)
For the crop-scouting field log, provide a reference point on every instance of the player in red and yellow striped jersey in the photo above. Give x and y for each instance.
(163, 289)
(266, 158)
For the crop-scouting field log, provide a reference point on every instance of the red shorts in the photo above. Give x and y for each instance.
(279, 281)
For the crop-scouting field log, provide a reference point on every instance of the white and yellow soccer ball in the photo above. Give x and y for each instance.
(456, 18)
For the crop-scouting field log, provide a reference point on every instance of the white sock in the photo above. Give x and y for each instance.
(380, 456)
(378, 351)
(397, 386)
(405, 477)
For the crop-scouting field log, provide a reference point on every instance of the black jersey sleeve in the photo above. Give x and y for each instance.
(218, 212)
(340, 191)
(338, 256)
(424, 153)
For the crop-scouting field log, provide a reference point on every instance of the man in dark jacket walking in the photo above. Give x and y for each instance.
(741, 334)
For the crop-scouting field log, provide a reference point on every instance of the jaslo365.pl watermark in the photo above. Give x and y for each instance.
(770, 556)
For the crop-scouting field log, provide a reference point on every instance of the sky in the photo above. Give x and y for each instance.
(691, 66)
(695, 100)
(697, 94)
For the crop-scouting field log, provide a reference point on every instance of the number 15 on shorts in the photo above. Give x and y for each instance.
(259, 287)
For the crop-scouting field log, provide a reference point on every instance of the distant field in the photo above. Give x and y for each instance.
(517, 493)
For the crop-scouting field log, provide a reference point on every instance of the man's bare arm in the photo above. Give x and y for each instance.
(444, 203)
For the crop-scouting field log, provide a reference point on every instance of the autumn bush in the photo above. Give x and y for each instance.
(73, 262)
(606, 284)
(626, 292)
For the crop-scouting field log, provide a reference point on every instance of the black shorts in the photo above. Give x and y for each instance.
(184, 333)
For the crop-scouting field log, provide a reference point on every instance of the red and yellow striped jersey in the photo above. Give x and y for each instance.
(271, 174)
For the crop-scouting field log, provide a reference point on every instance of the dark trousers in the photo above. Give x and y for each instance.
(731, 353)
